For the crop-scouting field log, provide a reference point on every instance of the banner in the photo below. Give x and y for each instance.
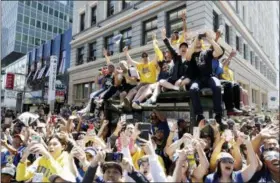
(62, 63)
(273, 100)
(52, 79)
(10, 79)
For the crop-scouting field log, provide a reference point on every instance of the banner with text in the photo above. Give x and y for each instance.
(52, 79)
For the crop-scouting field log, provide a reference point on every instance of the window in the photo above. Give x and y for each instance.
(19, 17)
(37, 41)
(55, 29)
(174, 20)
(32, 22)
(93, 16)
(56, 13)
(237, 43)
(110, 7)
(61, 15)
(27, 3)
(34, 4)
(80, 55)
(26, 20)
(254, 96)
(227, 33)
(126, 38)
(245, 51)
(44, 26)
(18, 36)
(65, 17)
(60, 30)
(50, 11)
(109, 44)
(149, 27)
(82, 91)
(40, 6)
(215, 21)
(237, 6)
(244, 13)
(82, 22)
(92, 52)
(24, 38)
(125, 4)
(31, 40)
(251, 58)
(50, 28)
(46, 9)
(38, 24)
(70, 20)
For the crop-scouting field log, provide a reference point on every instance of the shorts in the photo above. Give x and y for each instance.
(170, 80)
(126, 87)
(140, 85)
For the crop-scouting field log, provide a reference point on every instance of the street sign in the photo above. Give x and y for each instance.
(10, 79)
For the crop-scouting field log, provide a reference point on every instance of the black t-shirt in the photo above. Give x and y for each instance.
(203, 60)
(108, 81)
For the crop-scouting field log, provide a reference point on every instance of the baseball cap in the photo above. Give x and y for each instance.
(65, 175)
(91, 151)
(108, 165)
(224, 155)
(9, 170)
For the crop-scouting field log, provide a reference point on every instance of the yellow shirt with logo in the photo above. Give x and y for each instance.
(42, 165)
(227, 74)
(178, 41)
(147, 72)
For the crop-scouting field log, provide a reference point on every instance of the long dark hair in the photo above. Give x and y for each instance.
(219, 171)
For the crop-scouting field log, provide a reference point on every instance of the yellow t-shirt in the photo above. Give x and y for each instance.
(147, 72)
(139, 154)
(42, 165)
(180, 40)
(228, 74)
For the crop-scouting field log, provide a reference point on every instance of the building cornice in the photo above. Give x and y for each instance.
(229, 12)
(81, 39)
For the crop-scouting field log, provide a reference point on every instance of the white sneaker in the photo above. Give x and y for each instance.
(136, 106)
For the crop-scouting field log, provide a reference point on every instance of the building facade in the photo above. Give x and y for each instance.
(28, 24)
(96, 22)
(10, 97)
(39, 69)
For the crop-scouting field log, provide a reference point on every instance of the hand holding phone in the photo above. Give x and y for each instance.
(115, 157)
(36, 138)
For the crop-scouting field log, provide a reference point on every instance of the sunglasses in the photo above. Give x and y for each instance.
(227, 160)
(271, 156)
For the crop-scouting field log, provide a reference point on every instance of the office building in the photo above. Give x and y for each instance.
(28, 24)
(246, 29)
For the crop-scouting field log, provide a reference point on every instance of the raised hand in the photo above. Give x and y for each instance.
(124, 140)
(100, 157)
(183, 16)
(78, 153)
(105, 52)
(148, 146)
(232, 53)
(163, 33)
(127, 165)
(125, 50)
(174, 126)
(269, 131)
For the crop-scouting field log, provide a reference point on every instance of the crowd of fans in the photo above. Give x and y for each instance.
(75, 147)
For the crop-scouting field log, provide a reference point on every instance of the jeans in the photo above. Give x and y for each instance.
(231, 95)
(92, 96)
(213, 83)
(110, 92)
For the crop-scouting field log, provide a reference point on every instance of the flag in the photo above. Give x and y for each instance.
(117, 38)
(41, 72)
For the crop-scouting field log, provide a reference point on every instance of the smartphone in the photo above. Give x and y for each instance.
(36, 138)
(196, 132)
(123, 117)
(211, 121)
(144, 135)
(129, 117)
(200, 36)
(115, 157)
(144, 126)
